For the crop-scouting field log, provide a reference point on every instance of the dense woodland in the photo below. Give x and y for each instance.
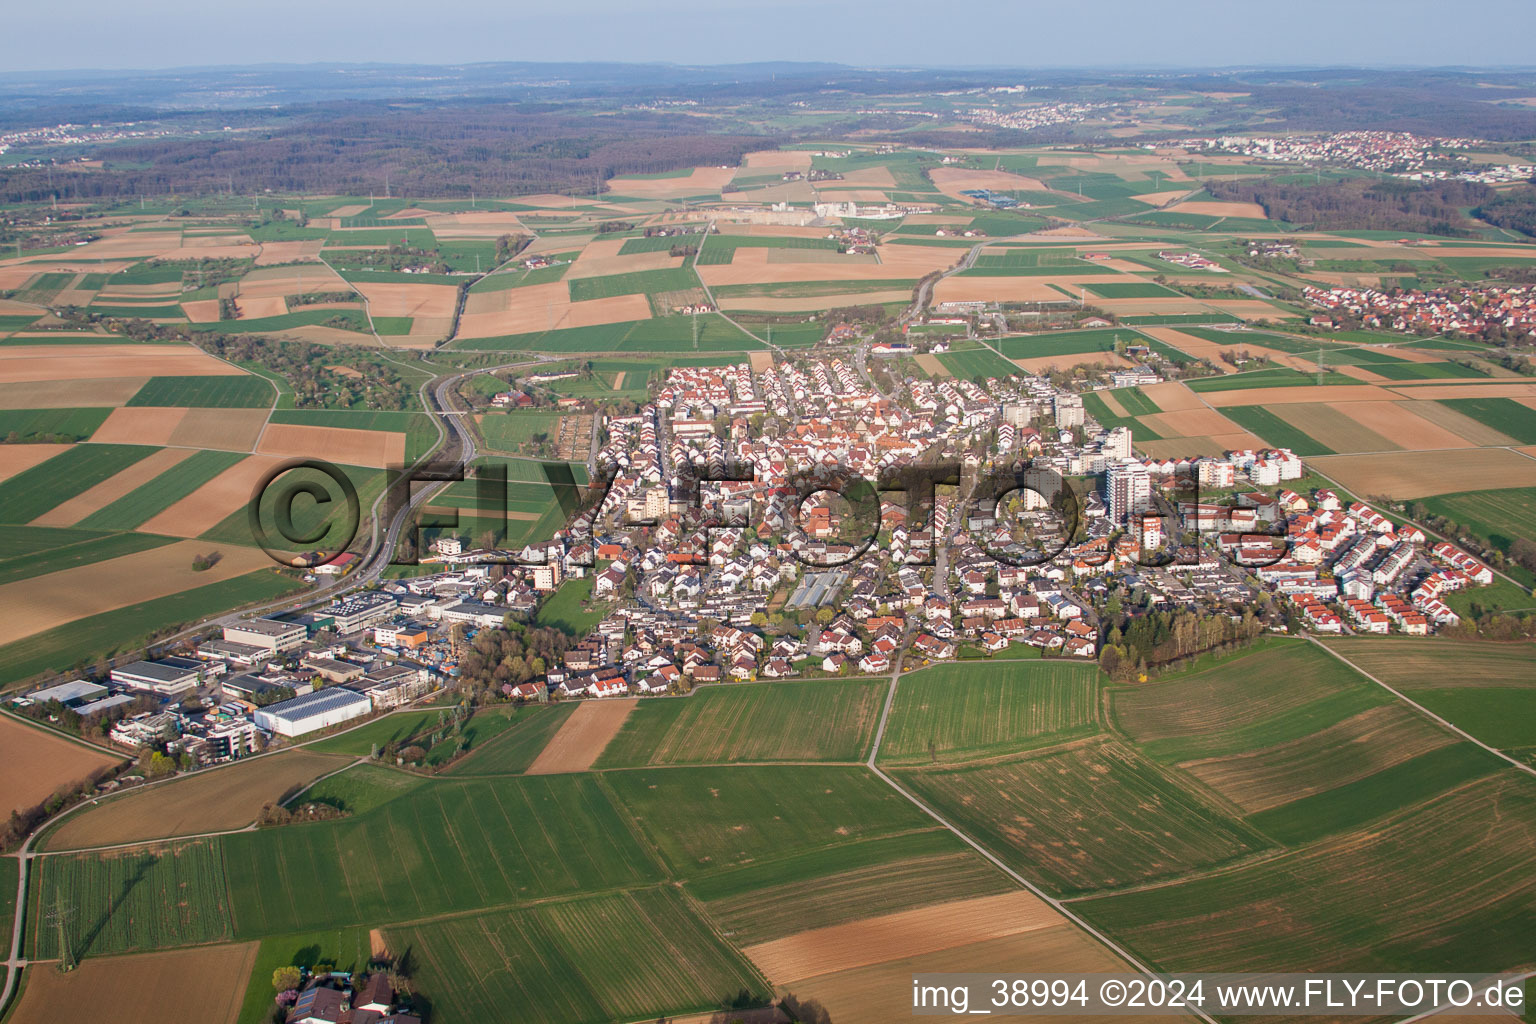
(430, 149)
(1515, 210)
(1410, 207)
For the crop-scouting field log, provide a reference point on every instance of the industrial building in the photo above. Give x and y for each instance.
(359, 610)
(319, 710)
(272, 635)
(166, 677)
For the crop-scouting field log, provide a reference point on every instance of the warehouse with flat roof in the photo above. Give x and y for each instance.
(319, 710)
(273, 635)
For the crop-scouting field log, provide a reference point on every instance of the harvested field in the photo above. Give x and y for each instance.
(1493, 387)
(92, 499)
(1172, 396)
(65, 394)
(373, 448)
(1341, 753)
(931, 366)
(542, 307)
(1401, 422)
(389, 299)
(51, 761)
(954, 180)
(211, 504)
(777, 160)
(1215, 208)
(1411, 475)
(1330, 425)
(883, 992)
(276, 282)
(582, 736)
(1434, 662)
(761, 362)
(1460, 424)
(234, 430)
(227, 797)
(45, 602)
(257, 308)
(1194, 422)
(20, 363)
(1213, 446)
(875, 940)
(149, 986)
(1161, 198)
(1290, 395)
(140, 425)
(274, 253)
(202, 311)
(996, 289)
(1035, 364)
(17, 458)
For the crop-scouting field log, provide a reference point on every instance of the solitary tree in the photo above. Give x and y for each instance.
(285, 979)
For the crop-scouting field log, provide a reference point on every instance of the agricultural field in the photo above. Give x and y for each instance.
(760, 902)
(227, 797)
(133, 900)
(1283, 691)
(477, 966)
(704, 820)
(968, 712)
(1499, 516)
(1358, 901)
(821, 720)
(53, 761)
(515, 751)
(453, 846)
(147, 986)
(223, 392)
(977, 364)
(1088, 815)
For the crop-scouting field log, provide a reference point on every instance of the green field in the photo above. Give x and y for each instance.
(514, 750)
(1082, 817)
(34, 491)
(1362, 800)
(1500, 716)
(134, 900)
(360, 788)
(124, 629)
(1501, 517)
(1277, 377)
(977, 364)
(660, 334)
(642, 954)
(965, 712)
(64, 425)
(441, 847)
(639, 282)
(1449, 885)
(1502, 414)
(820, 720)
(513, 431)
(1130, 290)
(159, 494)
(228, 392)
(704, 820)
(1424, 371)
(347, 948)
(1274, 430)
(38, 550)
(759, 902)
(1135, 401)
(1253, 699)
(1064, 343)
(563, 610)
(396, 727)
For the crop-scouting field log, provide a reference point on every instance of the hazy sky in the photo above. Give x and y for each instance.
(1026, 33)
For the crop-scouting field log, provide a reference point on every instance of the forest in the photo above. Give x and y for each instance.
(1430, 208)
(1515, 210)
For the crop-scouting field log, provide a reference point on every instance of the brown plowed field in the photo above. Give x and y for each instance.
(92, 499)
(582, 737)
(390, 299)
(874, 940)
(229, 797)
(66, 394)
(91, 362)
(211, 503)
(1172, 396)
(1215, 208)
(14, 458)
(883, 992)
(345, 445)
(1303, 394)
(44, 602)
(1412, 475)
(232, 430)
(205, 985)
(139, 425)
(50, 761)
